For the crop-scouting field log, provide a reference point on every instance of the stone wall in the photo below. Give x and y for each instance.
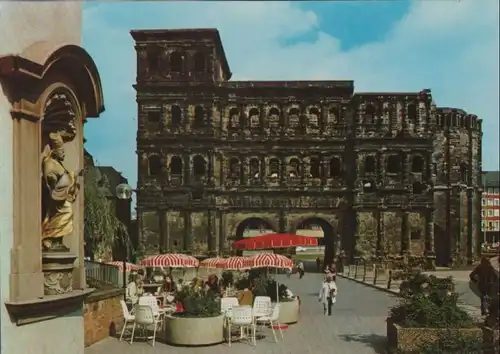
(102, 315)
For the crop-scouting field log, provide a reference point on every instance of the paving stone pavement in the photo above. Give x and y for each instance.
(356, 326)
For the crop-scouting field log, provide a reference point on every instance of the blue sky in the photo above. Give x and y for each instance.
(448, 46)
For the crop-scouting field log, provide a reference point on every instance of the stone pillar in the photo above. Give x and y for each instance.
(164, 231)
(282, 170)
(187, 232)
(222, 232)
(223, 169)
(405, 233)
(429, 239)
(210, 167)
(263, 169)
(324, 170)
(211, 232)
(245, 171)
(186, 163)
(379, 247)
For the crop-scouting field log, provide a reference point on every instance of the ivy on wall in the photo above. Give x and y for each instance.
(102, 229)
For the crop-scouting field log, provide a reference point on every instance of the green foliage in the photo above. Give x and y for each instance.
(101, 226)
(198, 303)
(451, 344)
(282, 291)
(429, 302)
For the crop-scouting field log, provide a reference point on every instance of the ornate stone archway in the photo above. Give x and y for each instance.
(52, 88)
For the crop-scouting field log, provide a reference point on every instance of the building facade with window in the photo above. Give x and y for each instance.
(379, 173)
(490, 212)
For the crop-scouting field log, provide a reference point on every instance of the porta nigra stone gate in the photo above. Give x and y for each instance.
(380, 173)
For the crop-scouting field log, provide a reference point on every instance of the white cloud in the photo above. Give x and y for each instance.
(448, 46)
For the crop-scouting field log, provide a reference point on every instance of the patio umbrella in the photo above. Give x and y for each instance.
(128, 266)
(211, 262)
(234, 263)
(270, 241)
(171, 260)
(270, 260)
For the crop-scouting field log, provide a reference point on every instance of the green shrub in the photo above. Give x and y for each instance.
(227, 278)
(429, 302)
(198, 303)
(282, 291)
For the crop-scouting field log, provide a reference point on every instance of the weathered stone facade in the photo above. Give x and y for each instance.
(380, 172)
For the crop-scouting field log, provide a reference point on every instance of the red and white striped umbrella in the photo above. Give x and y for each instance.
(172, 260)
(269, 260)
(234, 263)
(211, 262)
(128, 266)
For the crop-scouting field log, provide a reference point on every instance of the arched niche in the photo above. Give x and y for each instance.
(51, 87)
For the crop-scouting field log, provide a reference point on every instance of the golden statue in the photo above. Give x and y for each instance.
(60, 191)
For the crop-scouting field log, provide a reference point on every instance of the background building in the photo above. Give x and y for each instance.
(379, 173)
(490, 225)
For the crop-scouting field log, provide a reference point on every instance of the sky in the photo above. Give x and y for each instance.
(448, 46)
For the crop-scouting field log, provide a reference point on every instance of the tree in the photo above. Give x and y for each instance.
(102, 229)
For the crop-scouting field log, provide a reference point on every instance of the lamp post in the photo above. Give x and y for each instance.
(124, 193)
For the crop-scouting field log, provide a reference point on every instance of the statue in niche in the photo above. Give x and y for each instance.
(60, 188)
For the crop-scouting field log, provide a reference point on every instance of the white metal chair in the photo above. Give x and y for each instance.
(144, 317)
(241, 316)
(261, 306)
(272, 321)
(227, 303)
(128, 317)
(152, 302)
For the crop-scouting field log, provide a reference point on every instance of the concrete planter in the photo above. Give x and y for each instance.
(491, 339)
(289, 312)
(194, 331)
(411, 339)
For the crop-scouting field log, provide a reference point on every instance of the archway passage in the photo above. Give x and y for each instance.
(326, 234)
(442, 247)
(252, 227)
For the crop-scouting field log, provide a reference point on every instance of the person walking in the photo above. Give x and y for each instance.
(318, 264)
(483, 276)
(328, 295)
(300, 269)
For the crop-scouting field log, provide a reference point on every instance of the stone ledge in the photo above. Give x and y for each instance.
(46, 307)
(99, 295)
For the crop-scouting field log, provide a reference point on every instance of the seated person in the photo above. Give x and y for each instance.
(135, 290)
(245, 297)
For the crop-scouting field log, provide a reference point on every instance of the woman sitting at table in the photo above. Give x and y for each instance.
(245, 297)
(135, 290)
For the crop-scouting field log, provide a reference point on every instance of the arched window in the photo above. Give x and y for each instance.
(417, 164)
(176, 116)
(234, 168)
(315, 168)
(394, 164)
(176, 166)
(335, 167)
(314, 117)
(200, 62)
(294, 118)
(154, 163)
(370, 164)
(234, 118)
(199, 116)
(274, 118)
(199, 167)
(370, 114)
(412, 113)
(176, 62)
(293, 168)
(254, 116)
(274, 168)
(254, 169)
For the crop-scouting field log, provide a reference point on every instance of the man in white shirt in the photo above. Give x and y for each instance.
(328, 295)
(300, 269)
(135, 289)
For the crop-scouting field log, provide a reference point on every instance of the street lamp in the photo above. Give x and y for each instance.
(124, 192)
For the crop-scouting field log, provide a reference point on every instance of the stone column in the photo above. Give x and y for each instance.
(379, 248)
(222, 232)
(162, 221)
(282, 169)
(324, 170)
(186, 163)
(245, 170)
(405, 233)
(429, 239)
(223, 170)
(210, 167)
(187, 232)
(263, 169)
(211, 232)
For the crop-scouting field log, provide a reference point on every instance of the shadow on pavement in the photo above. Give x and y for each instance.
(375, 341)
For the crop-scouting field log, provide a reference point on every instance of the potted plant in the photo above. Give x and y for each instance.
(429, 316)
(289, 304)
(200, 323)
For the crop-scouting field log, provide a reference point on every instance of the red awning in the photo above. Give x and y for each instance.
(274, 241)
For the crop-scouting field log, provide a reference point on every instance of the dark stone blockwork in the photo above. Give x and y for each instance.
(381, 173)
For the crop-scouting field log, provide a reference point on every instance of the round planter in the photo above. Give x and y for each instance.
(194, 331)
(289, 312)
